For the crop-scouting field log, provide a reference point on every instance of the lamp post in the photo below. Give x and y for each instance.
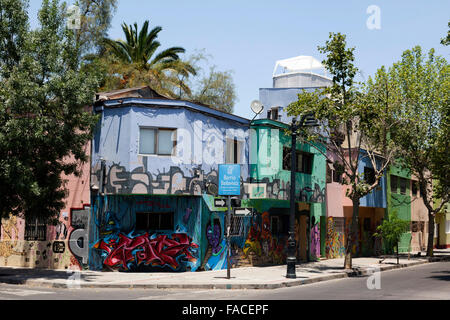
(291, 259)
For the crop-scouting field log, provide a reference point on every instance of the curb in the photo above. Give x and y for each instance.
(345, 274)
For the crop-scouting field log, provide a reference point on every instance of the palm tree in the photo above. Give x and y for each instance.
(161, 71)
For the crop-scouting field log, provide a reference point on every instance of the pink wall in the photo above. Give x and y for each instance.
(334, 200)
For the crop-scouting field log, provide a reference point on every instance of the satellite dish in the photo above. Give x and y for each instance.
(257, 106)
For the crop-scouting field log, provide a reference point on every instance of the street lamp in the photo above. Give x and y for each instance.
(305, 120)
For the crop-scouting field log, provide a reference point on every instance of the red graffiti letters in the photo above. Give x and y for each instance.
(163, 250)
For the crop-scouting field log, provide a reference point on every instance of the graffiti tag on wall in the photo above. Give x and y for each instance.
(78, 238)
(140, 181)
(131, 253)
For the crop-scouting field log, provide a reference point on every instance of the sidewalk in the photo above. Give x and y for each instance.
(271, 277)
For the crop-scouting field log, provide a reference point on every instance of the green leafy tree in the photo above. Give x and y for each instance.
(209, 86)
(446, 41)
(95, 21)
(217, 90)
(352, 122)
(391, 231)
(135, 61)
(43, 120)
(423, 110)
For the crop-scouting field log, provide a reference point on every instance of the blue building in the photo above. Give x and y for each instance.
(153, 181)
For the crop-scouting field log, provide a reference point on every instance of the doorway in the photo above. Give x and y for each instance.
(302, 236)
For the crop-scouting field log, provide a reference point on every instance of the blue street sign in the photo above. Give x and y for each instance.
(229, 179)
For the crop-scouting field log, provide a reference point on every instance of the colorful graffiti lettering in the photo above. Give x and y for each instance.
(128, 253)
(334, 244)
(262, 245)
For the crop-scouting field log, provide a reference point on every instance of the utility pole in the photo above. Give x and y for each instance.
(305, 120)
(228, 237)
(291, 258)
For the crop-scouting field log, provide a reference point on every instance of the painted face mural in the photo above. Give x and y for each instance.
(218, 258)
(213, 235)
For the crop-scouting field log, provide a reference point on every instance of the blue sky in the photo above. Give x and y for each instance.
(249, 36)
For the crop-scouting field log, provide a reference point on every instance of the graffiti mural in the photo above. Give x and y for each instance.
(126, 242)
(216, 257)
(78, 237)
(17, 252)
(312, 195)
(261, 247)
(334, 243)
(315, 239)
(140, 181)
(145, 252)
(174, 181)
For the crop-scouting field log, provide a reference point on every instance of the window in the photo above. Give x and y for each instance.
(304, 161)
(330, 173)
(35, 230)
(234, 151)
(156, 141)
(447, 226)
(403, 185)
(337, 175)
(414, 188)
(274, 225)
(369, 175)
(154, 220)
(393, 184)
(275, 115)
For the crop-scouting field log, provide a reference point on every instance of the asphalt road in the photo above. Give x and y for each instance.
(425, 282)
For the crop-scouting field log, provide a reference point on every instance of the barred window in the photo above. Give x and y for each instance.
(35, 230)
(146, 221)
(237, 225)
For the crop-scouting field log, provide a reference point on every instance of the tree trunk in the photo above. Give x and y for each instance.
(430, 234)
(351, 238)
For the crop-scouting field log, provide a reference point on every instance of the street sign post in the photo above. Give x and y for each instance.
(243, 211)
(229, 180)
(220, 203)
(229, 185)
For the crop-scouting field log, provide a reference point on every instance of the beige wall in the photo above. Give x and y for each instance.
(15, 251)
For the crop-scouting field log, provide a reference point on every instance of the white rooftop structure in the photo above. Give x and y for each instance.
(301, 71)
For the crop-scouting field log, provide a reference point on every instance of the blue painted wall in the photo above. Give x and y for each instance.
(201, 146)
(377, 198)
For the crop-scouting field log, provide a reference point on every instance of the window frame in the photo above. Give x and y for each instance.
(237, 152)
(394, 178)
(35, 231)
(156, 141)
(403, 183)
(305, 157)
(148, 223)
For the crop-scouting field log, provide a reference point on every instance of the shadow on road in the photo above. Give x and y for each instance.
(21, 275)
(443, 275)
